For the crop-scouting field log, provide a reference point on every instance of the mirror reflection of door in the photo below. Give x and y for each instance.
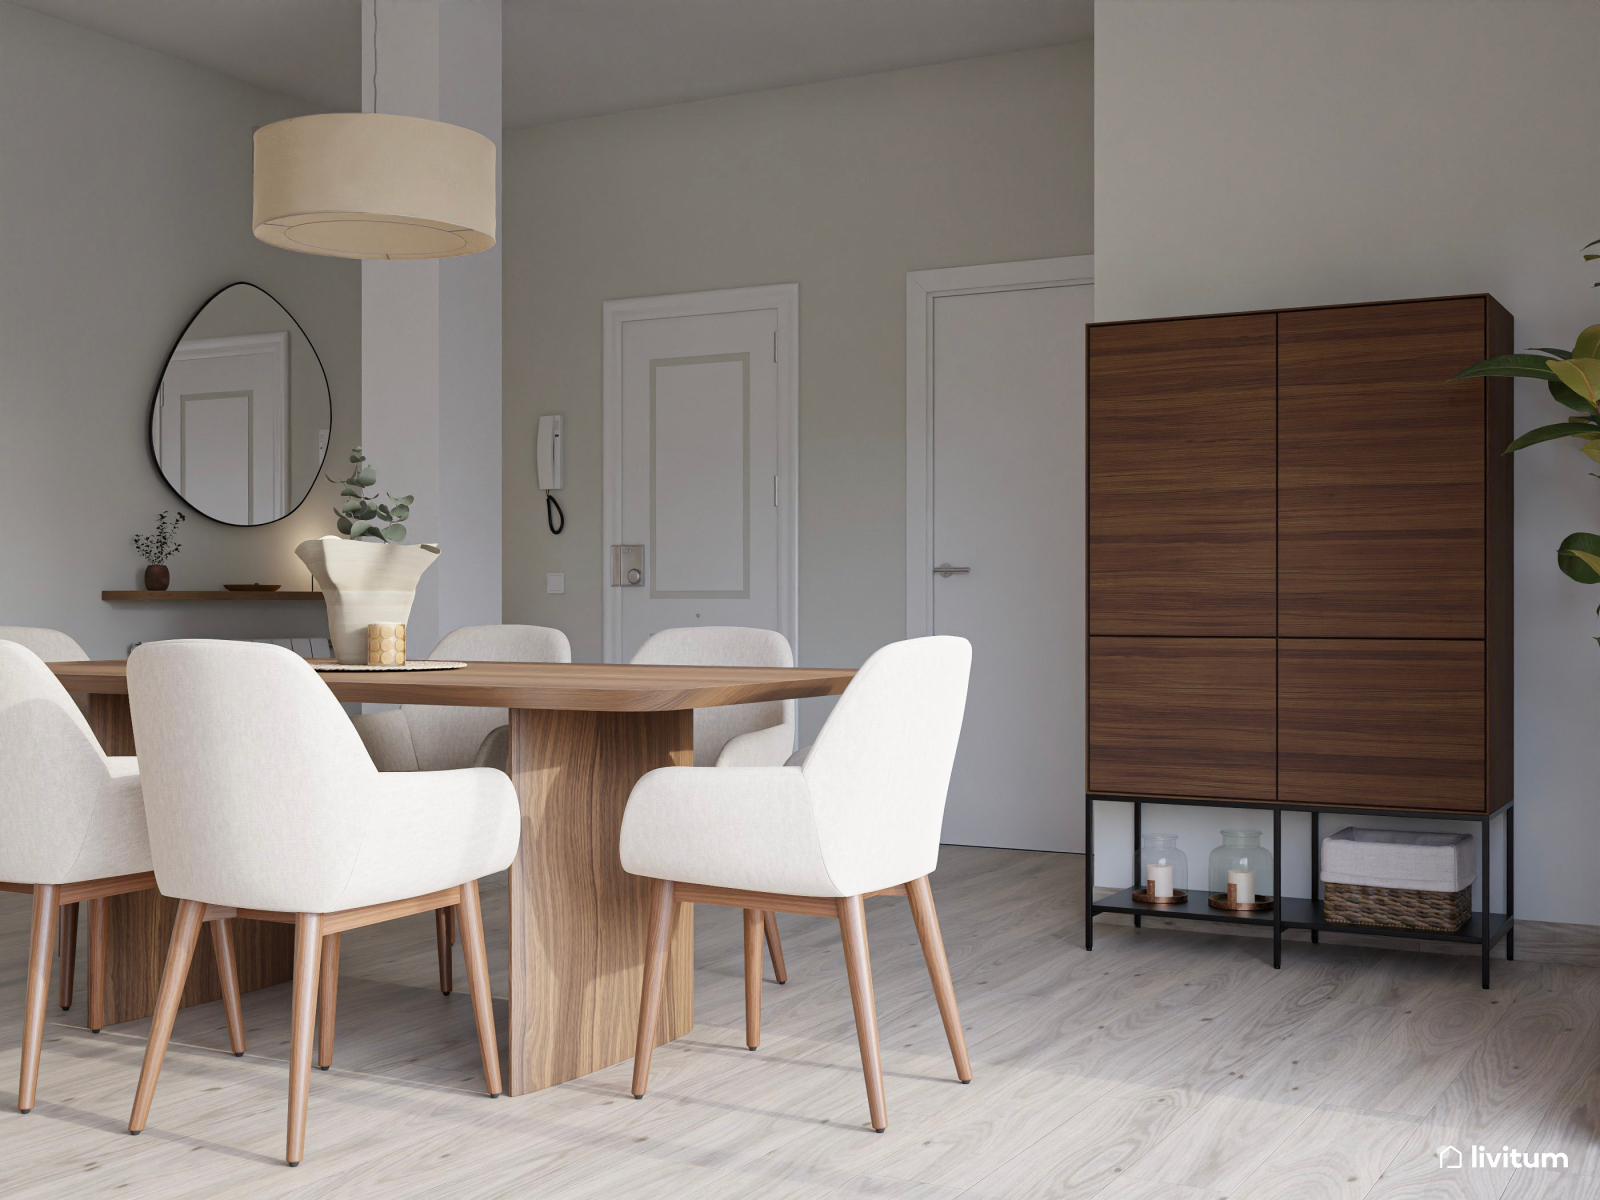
(239, 424)
(222, 423)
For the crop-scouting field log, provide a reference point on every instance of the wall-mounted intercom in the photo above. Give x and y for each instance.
(548, 458)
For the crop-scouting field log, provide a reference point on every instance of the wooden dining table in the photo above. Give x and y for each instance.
(580, 736)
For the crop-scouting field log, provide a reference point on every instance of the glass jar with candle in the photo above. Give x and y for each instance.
(1163, 868)
(1242, 860)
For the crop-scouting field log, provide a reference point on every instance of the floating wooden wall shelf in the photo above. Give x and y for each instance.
(235, 597)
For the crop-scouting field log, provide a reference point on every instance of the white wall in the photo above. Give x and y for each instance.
(840, 187)
(1255, 154)
(124, 204)
(431, 330)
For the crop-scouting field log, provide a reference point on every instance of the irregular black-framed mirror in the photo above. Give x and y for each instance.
(239, 423)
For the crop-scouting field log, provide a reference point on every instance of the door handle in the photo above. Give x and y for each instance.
(947, 570)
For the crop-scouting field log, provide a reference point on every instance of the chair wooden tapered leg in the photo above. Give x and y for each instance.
(327, 999)
(451, 915)
(69, 953)
(752, 977)
(180, 952)
(858, 965)
(97, 965)
(922, 912)
(477, 956)
(302, 1028)
(442, 926)
(41, 947)
(769, 919)
(658, 939)
(228, 974)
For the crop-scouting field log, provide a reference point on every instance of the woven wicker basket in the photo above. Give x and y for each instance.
(1397, 908)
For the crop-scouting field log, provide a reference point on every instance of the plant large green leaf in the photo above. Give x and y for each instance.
(1548, 433)
(1562, 394)
(1519, 366)
(1579, 557)
(1582, 375)
(1550, 351)
(1588, 343)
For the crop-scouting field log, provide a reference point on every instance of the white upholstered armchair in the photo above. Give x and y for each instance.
(860, 818)
(52, 645)
(735, 735)
(261, 801)
(441, 737)
(72, 828)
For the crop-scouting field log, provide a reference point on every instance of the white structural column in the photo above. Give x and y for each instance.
(430, 331)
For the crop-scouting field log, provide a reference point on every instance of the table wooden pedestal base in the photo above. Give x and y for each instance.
(577, 919)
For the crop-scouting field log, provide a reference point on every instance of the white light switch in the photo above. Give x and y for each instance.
(555, 583)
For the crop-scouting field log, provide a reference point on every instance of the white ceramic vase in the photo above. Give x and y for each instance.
(364, 583)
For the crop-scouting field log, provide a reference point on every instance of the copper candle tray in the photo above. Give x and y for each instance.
(1220, 900)
(1143, 896)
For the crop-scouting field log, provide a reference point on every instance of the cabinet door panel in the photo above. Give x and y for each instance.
(1390, 724)
(1182, 716)
(1182, 477)
(1381, 466)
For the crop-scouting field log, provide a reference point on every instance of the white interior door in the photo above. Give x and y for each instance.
(1005, 486)
(699, 486)
(221, 422)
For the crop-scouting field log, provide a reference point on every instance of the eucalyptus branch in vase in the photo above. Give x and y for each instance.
(360, 515)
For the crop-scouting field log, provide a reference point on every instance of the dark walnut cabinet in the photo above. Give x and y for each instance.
(1300, 559)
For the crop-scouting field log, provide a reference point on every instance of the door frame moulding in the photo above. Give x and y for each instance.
(922, 289)
(785, 298)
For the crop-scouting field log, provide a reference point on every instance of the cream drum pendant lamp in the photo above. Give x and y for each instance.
(374, 185)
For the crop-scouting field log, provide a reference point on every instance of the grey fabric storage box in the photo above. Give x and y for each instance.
(1399, 858)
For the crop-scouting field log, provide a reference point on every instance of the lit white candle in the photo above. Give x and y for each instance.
(1158, 880)
(1241, 886)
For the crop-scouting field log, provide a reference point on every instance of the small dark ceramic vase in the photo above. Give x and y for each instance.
(156, 577)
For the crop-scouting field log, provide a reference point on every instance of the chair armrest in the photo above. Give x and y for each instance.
(759, 748)
(387, 738)
(734, 827)
(495, 750)
(429, 830)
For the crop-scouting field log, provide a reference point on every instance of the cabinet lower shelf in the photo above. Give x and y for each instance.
(1484, 929)
(1297, 913)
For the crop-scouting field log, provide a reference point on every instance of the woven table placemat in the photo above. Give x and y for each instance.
(421, 664)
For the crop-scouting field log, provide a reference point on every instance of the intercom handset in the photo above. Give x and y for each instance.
(548, 458)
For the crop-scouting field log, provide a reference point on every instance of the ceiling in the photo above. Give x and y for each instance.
(307, 48)
(579, 58)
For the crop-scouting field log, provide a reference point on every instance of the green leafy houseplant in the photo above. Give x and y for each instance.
(1573, 377)
(155, 548)
(360, 516)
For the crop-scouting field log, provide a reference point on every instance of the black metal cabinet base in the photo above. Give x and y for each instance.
(1485, 929)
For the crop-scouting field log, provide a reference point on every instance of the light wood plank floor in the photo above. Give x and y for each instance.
(1170, 1064)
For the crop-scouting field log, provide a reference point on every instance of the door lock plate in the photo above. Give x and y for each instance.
(627, 566)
